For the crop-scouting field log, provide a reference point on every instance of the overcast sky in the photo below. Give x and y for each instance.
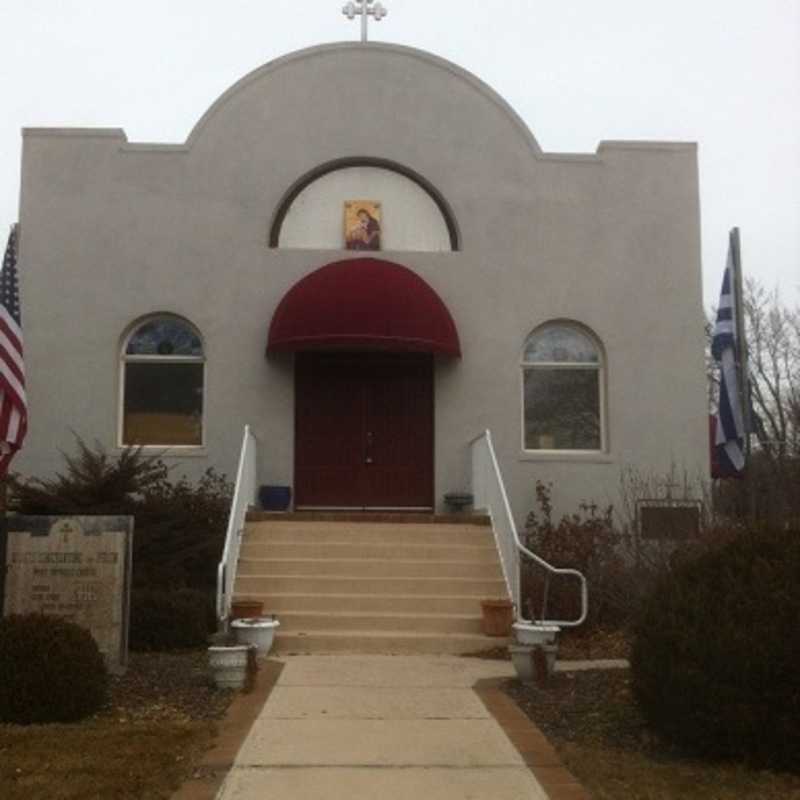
(724, 73)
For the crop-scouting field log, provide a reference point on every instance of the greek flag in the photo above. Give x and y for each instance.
(729, 439)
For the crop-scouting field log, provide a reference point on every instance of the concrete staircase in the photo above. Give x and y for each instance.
(372, 583)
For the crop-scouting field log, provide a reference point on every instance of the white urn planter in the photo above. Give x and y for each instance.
(531, 633)
(228, 665)
(257, 631)
(523, 659)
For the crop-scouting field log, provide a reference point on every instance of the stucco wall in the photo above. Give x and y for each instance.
(112, 231)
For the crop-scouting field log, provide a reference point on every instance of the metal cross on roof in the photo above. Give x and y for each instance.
(364, 9)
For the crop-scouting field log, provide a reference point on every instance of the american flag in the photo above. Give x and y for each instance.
(13, 403)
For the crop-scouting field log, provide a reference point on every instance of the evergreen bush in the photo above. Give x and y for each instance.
(179, 528)
(50, 670)
(179, 532)
(94, 482)
(716, 646)
(170, 620)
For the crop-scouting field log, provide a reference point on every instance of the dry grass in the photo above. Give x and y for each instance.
(614, 774)
(595, 726)
(99, 760)
(159, 721)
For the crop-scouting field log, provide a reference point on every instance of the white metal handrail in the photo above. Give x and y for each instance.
(489, 493)
(244, 495)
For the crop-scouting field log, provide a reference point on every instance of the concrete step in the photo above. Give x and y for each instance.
(247, 585)
(378, 641)
(372, 583)
(392, 517)
(369, 567)
(402, 604)
(295, 621)
(368, 533)
(385, 550)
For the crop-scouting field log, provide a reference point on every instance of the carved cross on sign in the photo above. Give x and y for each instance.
(364, 9)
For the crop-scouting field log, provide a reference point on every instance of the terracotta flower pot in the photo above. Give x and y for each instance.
(241, 609)
(498, 615)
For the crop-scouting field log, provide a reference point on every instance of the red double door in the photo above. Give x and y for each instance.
(363, 430)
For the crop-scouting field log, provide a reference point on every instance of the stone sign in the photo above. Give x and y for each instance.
(73, 567)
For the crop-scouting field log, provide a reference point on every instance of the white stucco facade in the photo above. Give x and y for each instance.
(217, 230)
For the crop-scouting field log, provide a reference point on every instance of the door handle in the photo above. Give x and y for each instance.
(370, 440)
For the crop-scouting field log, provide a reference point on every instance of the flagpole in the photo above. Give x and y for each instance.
(742, 354)
(743, 357)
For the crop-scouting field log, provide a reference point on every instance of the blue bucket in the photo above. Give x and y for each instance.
(275, 498)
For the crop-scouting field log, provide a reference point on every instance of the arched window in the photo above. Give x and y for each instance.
(163, 377)
(562, 389)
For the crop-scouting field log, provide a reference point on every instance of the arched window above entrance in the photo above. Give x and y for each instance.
(162, 383)
(409, 211)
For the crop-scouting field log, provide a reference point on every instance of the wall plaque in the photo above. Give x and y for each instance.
(73, 567)
(669, 520)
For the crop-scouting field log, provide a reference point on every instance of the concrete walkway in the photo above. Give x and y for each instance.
(380, 727)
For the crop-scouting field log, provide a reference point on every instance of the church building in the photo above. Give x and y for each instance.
(362, 253)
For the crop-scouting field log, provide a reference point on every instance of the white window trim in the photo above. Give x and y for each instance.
(123, 359)
(600, 455)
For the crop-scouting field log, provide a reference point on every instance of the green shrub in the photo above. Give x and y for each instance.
(716, 648)
(50, 670)
(170, 620)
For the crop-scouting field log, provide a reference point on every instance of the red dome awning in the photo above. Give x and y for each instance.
(363, 303)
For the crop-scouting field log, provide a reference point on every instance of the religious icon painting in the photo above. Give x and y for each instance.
(362, 225)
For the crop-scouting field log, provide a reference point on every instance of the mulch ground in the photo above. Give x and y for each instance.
(578, 706)
(595, 725)
(574, 645)
(172, 686)
(582, 645)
